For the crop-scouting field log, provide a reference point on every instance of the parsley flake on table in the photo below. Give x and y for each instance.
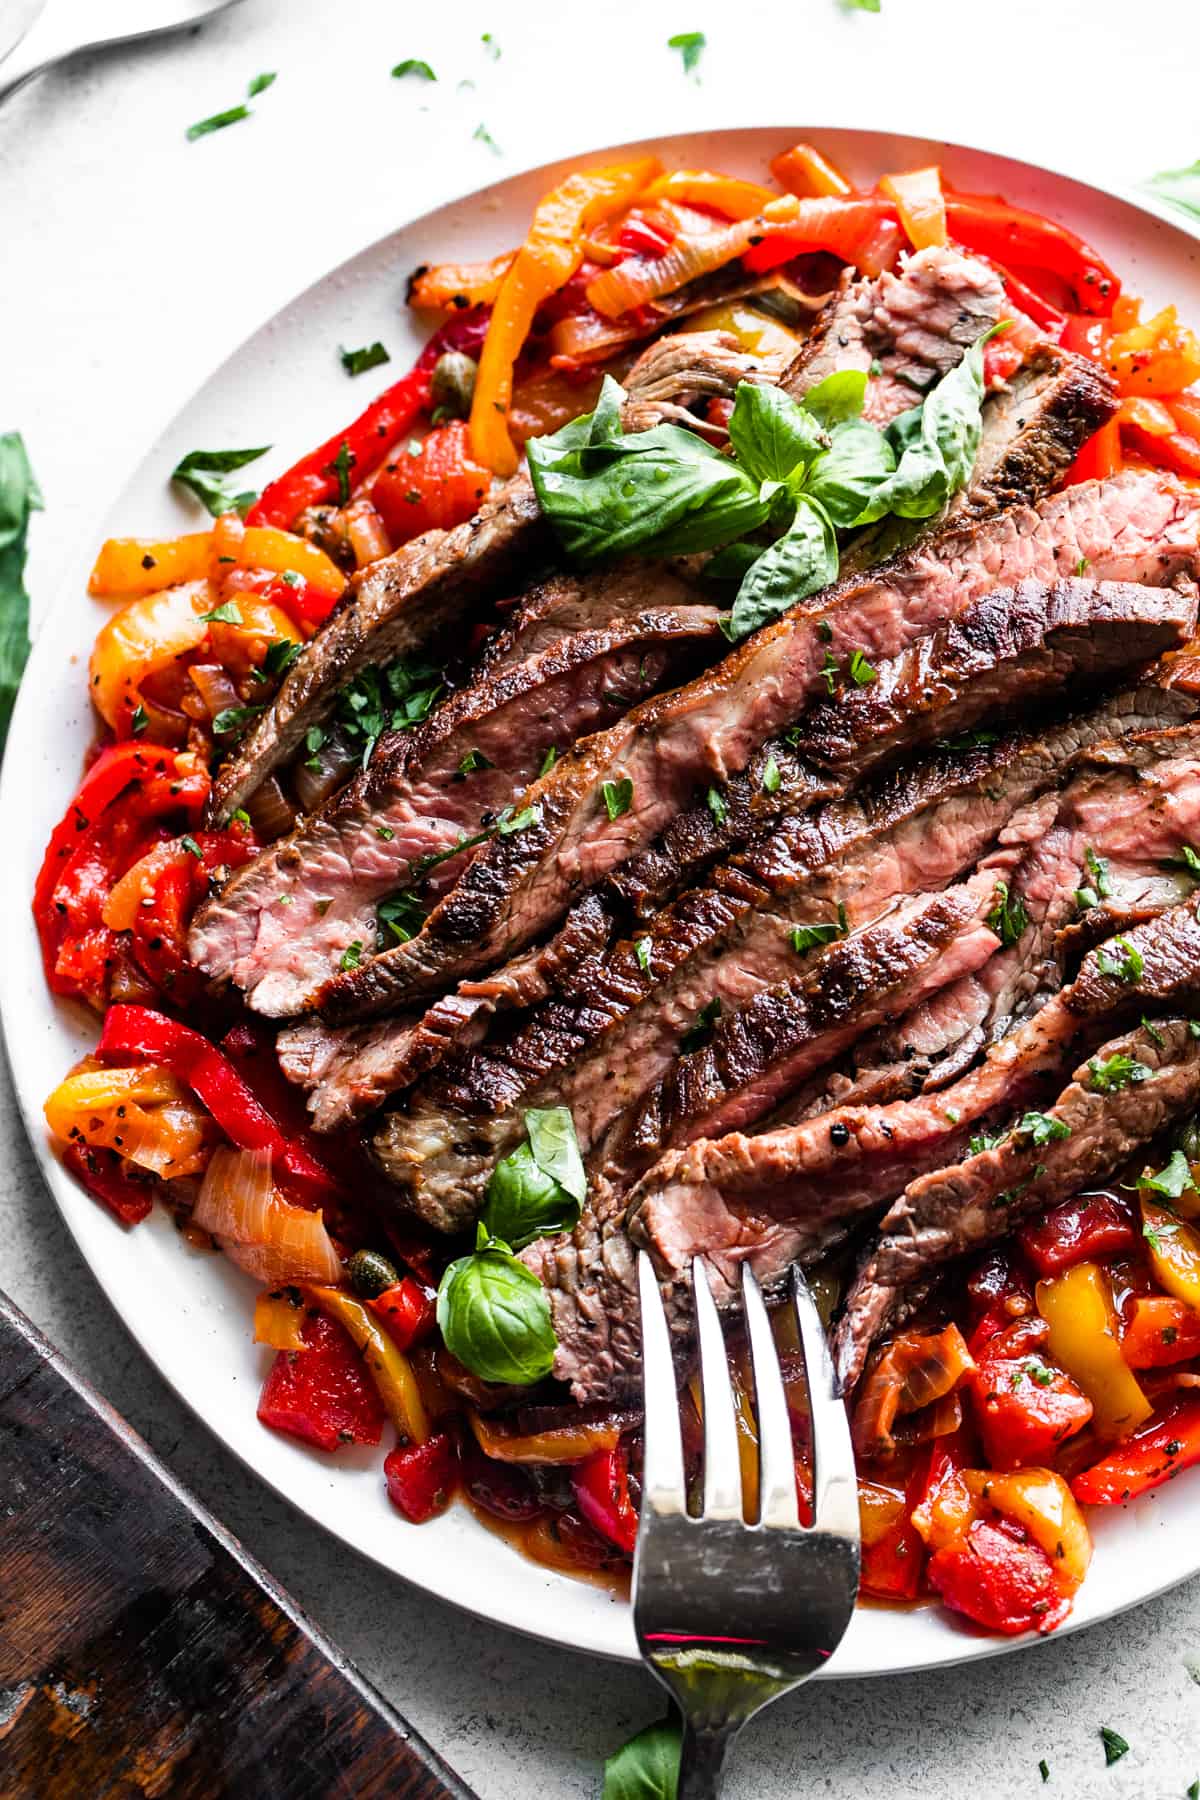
(690, 45)
(482, 135)
(232, 114)
(1115, 1746)
(357, 362)
(413, 65)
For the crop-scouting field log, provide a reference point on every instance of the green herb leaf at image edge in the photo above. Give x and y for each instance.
(647, 1767)
(413, 65)
(690, 45)
(19, 497)
(556, 1149)
(524, 1202)
(200, 472)
(1178, 187)
(494, 1315)
(232, 115)
(261, 83)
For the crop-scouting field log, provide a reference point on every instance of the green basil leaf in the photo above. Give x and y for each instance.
(556, 1149)
(400, 917)
(216, 122)
(19, 497)
(773, 436)
(1173, 1180)
(731, 563)
(200, 472)
(837, 399)
(846, 479)
(689, 44)
(261, 83)
(357, 362)
(494, 1315)
(414, 65)
(524, 1202)
(1179, 187)
(647, 1767)
(936, 444)
(801, 562)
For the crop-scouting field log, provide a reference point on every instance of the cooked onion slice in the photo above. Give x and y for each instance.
(259, 1230)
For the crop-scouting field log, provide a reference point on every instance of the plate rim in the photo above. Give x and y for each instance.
(960, 1644)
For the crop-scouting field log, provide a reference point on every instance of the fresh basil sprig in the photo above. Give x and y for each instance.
(200, 472)
(19, 496)
(802, 471)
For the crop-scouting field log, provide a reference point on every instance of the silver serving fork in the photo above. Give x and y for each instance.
(730, 1616)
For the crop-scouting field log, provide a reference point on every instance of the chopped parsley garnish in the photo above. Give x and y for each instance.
(394, 698)
(232, 721)
(861, 672)
(341, 466)
(1040, 1128)
(548, 761)
(357, 362)
(510, 822)
(825, 631)
(1115, 1072)
(1128, 968)
(641, 950)
(281, 654)
(226, 614)
(240, 814)
(474, 759)
(690, 45)
(351, 956)
(701, 1031)
(402, 916)
(385, 832)
(716, 805)
(808, 937)
(1082, 566)
(314, 739)
(482, 135)
(1173, 1180)
(414, 65)
(829, 671)
(200, 472)
(1008, 917)
(1101, 887)
(192, 847)
(969, 740)
(1187, 859)
(984, 1140)
(618, 797)
(139, 721)
(771, 776)
(1115, 1746)
(1153, 1033)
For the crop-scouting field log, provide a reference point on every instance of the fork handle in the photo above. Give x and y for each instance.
(702, 1765)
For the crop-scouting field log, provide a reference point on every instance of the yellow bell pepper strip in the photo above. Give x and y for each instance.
(726, 194)
(545, 262)
(920, 203)
(283, 553)
(1041, 1502)
(279, 1319)
(127, 566)
(1155, 360)
(558, 1444)
(803, 170)
(143, 1114)
(445, 286)
(1174, 1248)
(148, 634)
(1078, 1307)
(388, 1366)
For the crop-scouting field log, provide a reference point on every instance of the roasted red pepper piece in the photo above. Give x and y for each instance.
(407, 1310)
(1088, 1228)
(893, 1558)
(141, 1034)
(601, 1484)
(1084, 335)
(499, 1488)
(315, 479)
(159, 930)
(1014, 236)
(1154, 1453)
(102, 1173)
(997, 1293)
(438, 488)
(322, 1394)
(1158, 1330)
(1100, 457)
(999, 1577)
(1025, 1406)
(421, 1478)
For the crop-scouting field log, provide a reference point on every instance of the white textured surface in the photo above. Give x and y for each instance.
(133, 261)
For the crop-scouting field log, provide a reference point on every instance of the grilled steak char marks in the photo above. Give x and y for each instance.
(1135, 527)
(279, 928)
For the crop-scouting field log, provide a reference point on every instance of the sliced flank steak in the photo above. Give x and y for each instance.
(307, 905)
(615, 792)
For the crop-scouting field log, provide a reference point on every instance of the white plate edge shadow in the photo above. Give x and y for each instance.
(455, 1558)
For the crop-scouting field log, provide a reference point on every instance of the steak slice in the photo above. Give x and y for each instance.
(613, 1026)
(974, 1201)
(677, 370)
(790, 1195)
(906, 329)
(1135, 527)
(281, 926)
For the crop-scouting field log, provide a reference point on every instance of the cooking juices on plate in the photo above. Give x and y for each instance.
(708, 760)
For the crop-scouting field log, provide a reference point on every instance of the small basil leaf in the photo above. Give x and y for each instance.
(771, 434)
(838, 398)
(525, 1202)
(556, 1149)
(19, 497)
(936, 444)
(200, 470)
(845, 481)
(1180, 187)
(804, 560)
(494, 1315)
(647, 1767)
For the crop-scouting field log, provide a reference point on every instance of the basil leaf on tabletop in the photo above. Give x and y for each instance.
(647, 1767)
(19, 496)
(1179, 187)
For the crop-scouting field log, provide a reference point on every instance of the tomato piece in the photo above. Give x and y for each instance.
(407, 1310)
(439, 487)
(1159, 1330)
(1025, 1407)
(322, 1394)
(601, 1486)
(102, 1173)
(421, 1478)
(997, 1575)
(1089, 1226)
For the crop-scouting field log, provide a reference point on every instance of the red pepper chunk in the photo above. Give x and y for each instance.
(322, 1394)
(407, 1311)
(1011, 235)
(1155, 1453)
(439, 488)
(1158, 1330)
(102, 1173)
(1086, 1229)
(1025, 1406)
(421, 1478)
(997, 1575)
(601, 1484)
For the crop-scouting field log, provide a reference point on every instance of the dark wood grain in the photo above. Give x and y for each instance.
(142, 1650)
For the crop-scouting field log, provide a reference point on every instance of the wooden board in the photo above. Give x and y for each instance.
(142, 1650)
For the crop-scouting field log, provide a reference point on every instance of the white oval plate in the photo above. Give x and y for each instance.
(191, 1313)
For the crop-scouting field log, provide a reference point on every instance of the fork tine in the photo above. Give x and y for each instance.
(722, 1465)
(835, 1487)
(776, 1466)
(663, 1489)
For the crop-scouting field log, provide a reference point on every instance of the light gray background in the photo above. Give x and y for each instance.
(131, 262)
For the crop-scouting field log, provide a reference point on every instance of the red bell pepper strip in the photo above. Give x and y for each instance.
(1084, 335)
(1026, 299)
(1086, 1229)
(140, 1033)
(421, 1478)
(407, 1310)
(102, 1173)
(999, 1577)
(1100, 457)
(314, 480)
(159, 930)
(601, 1484)
(322, 1394)
(1158, 1330)
(1025, 1406)
(1012, 235)
(1154, 1453)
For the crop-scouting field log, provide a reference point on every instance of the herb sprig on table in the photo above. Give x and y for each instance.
(799, 472)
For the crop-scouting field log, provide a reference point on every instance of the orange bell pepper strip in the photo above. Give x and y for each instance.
(447, 286)
(545, 262)
(267, 547)
(920, 203)
(1154, 360)
(725, 194)
(128, 566)
(803, 170)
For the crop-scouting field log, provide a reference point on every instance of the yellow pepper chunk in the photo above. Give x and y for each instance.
(1174, 1248)
(386, 1363)
(144, 565)
(1078, 1307)
(1041, 1501)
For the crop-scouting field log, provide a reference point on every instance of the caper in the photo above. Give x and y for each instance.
(454, 375)
(1188, 1137)
(371, 1273)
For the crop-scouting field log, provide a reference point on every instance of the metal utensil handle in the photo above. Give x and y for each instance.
(702, 1765)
